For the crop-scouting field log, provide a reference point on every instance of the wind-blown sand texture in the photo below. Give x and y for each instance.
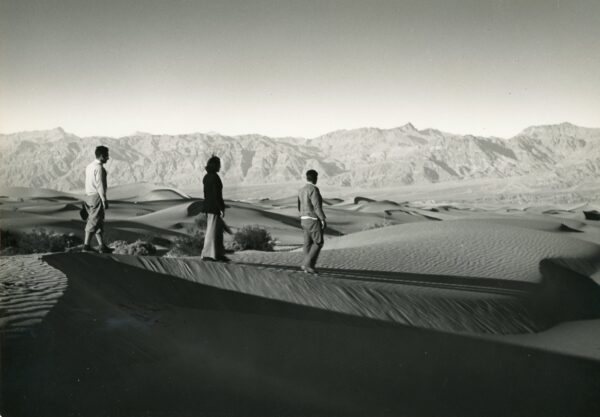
(420, 309)
(30, 288)
(472, 248)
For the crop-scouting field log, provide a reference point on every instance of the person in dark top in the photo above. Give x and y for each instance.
(214, 208)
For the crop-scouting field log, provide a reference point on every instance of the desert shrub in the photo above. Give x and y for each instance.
(253, 237)
(38, 241)
(138, 248)
(188, 245)
(8, 239)
(231, 246)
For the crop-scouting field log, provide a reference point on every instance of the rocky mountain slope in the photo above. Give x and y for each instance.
(548, 156)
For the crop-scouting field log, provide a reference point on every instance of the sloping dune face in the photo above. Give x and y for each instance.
(163, 194)
(26, 192)
(145, 191)
(167, 337)
(48, 208)
(169, 216)
(137, 211)
(429, 306)
(463, 248)
(451, 304)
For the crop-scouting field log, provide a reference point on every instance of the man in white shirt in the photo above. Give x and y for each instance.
(95, 200)
(312, 219)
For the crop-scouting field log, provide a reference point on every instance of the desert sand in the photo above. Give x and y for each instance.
(421, 308)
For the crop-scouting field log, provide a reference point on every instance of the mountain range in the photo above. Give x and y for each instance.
(551, 156)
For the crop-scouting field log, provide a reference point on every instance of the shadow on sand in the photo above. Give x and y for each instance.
(123, 341)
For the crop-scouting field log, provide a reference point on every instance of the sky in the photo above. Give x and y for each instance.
(297, 68)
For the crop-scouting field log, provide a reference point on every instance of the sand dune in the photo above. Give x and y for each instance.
(378, 206)
(163, 194)
(48, 208)
(281, 225)
(145, 192)
(164, 337)
(460, 247)
(177, 213)
(292, 202)
(363, 200)
(378, 298)
(26, 222)
(26, 192)
(346, 220)
(145, 204)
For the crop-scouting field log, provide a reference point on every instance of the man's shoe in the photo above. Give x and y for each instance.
(105, 249)
(223, 259)
(208, 259)
(87, 248)
(309, 270)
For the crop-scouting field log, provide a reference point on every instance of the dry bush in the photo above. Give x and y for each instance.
(38, 241)
(231, 246)
(253, 237)
(137, 248)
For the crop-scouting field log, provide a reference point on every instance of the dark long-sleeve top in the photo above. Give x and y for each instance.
(213, 193)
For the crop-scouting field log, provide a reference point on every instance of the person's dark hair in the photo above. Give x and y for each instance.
(213, 164)
(311, 175)
(101, 151)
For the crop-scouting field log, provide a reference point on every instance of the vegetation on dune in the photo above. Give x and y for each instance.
(253, 237)
(231, 246)
(44, 241)
(137, 248)
(248, 237)
(37, 241)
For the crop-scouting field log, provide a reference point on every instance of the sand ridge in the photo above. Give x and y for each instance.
(440, 307)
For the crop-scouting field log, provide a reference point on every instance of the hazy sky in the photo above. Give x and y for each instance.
(297, 68)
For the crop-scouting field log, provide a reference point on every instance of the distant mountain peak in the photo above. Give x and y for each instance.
(407, 127)
(564, 128)
(56, 134)
(140, 133)
(567, 124)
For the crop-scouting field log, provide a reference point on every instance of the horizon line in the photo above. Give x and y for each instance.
(408, 125)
